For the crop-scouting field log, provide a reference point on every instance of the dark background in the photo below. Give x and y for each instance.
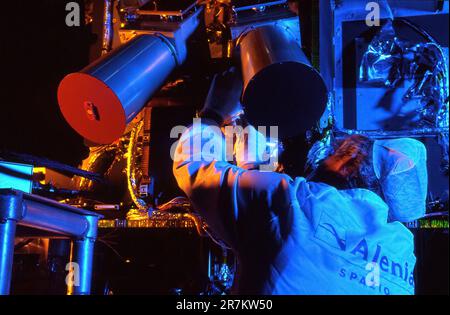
(38, 50)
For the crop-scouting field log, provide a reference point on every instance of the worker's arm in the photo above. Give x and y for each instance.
(236, 203)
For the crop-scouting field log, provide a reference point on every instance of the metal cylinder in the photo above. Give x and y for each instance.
(11, 211)
(82, 255)
(102, 98)
(7, 234)
(50, 218)
(281, 88)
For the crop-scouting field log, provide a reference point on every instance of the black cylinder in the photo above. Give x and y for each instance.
(281, 88)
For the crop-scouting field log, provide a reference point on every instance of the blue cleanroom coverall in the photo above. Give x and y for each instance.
(292, 236)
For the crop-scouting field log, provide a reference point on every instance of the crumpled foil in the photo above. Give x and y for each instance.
(382, 63)
(390, 61)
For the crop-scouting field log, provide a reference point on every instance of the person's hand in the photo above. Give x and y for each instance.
(224, 95)
(348, 157)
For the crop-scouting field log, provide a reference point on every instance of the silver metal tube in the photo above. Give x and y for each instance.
(45, 214)
(7, 233)
(11, 211)
(83, 254)
(48, 218)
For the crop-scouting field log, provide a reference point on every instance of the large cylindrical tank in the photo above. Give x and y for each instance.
(102, 98)
(281, 88)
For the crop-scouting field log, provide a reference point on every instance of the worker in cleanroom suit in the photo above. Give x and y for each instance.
(293, 236)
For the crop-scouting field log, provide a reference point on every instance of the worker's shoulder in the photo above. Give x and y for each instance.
(359, 208)
(316, 198)
(266, 180)
(270, 188)
(322, 191)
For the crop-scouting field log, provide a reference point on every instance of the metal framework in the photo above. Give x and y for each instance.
(45, 215)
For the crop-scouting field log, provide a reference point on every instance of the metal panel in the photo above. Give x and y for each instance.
(333, 47)
(16, 176)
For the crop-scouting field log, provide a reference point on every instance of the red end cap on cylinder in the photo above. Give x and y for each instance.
(91, 108)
